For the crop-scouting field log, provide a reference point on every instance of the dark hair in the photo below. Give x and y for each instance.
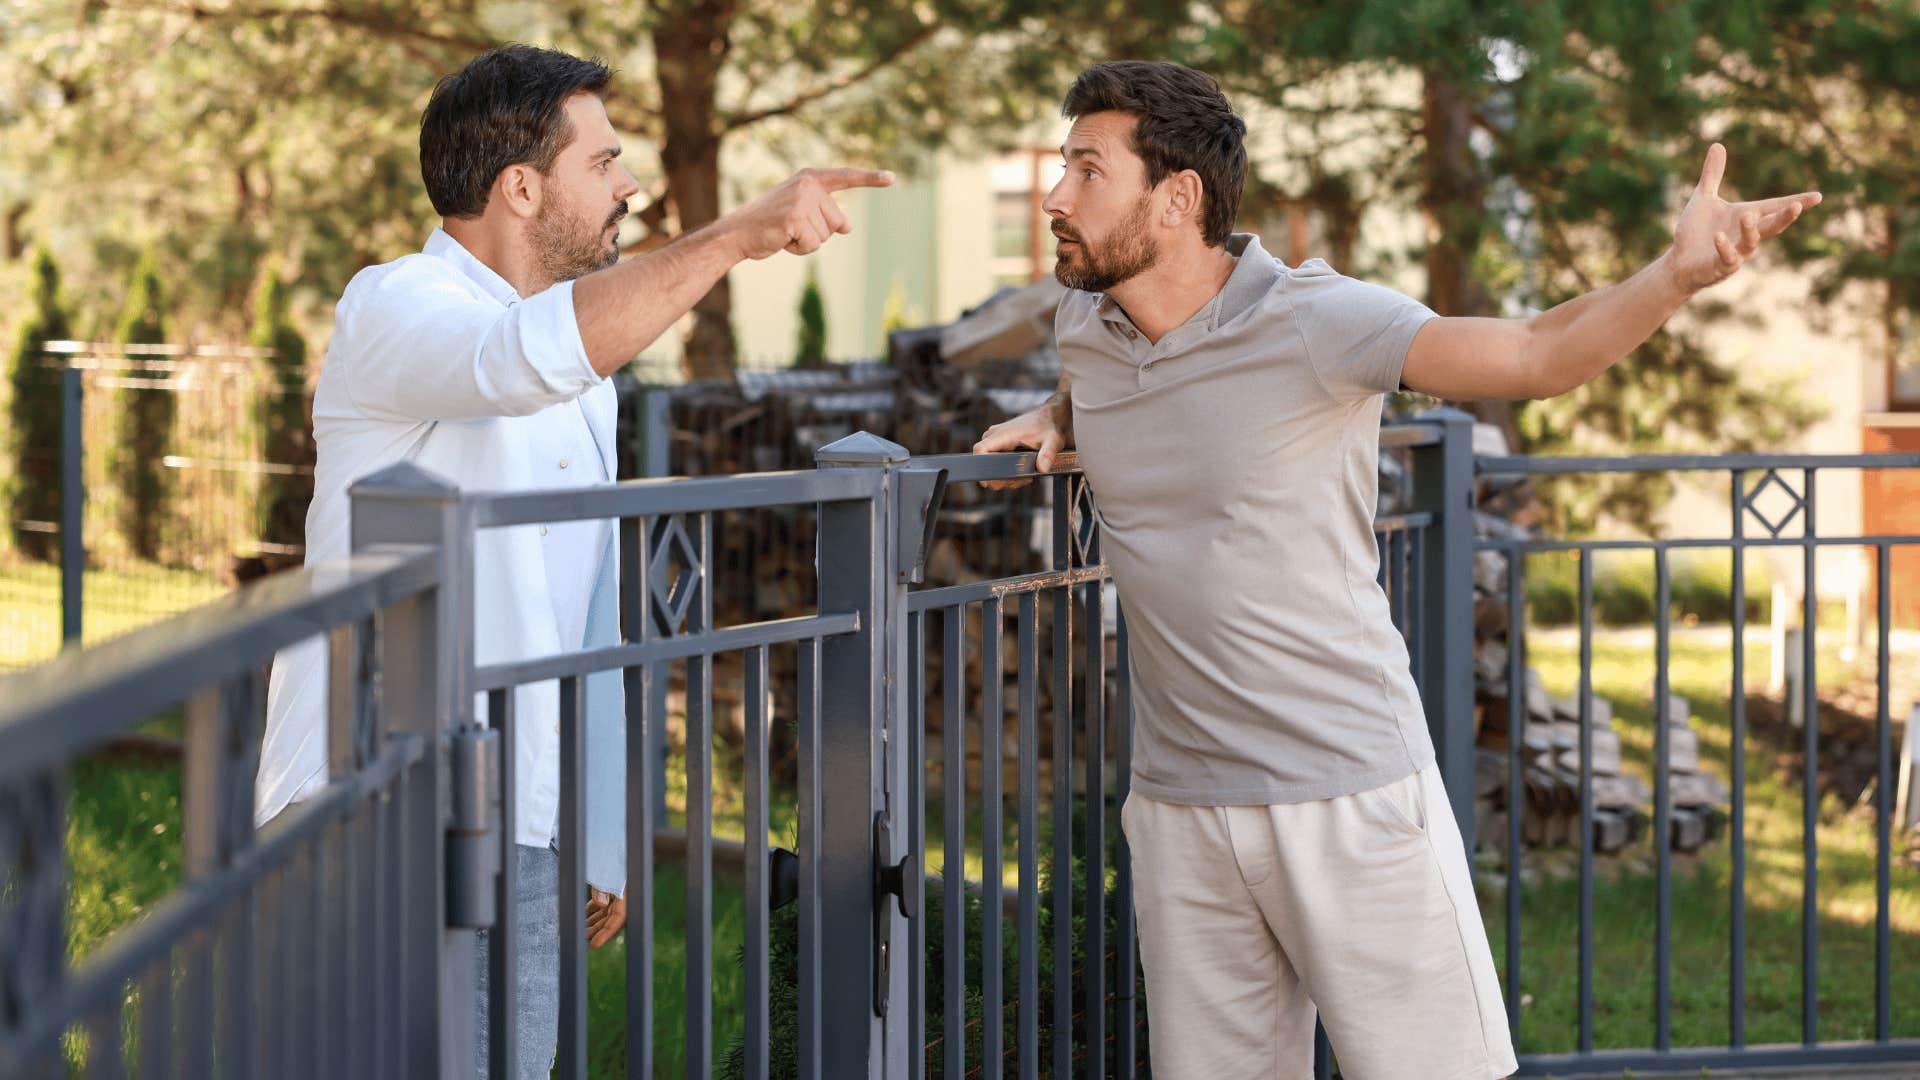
(1184, 123)
(503, 108)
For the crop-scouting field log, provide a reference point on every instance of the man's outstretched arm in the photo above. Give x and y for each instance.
(622, 309)
(1470, 359)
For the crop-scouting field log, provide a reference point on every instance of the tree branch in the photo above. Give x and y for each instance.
(333, 13)
(736, 121)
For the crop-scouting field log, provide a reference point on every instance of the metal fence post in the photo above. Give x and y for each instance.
(1443, 486)
(863, 683)
(73, 550)
(426, 655)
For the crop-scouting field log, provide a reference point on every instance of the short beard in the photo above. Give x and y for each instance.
(1131, 251)
(567, 246)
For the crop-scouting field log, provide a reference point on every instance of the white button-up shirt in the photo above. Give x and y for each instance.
(436, 359)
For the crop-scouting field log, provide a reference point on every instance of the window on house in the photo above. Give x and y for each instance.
(1903, 374)
(1022, 242)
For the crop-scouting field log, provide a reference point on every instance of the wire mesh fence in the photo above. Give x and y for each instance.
(197, 468)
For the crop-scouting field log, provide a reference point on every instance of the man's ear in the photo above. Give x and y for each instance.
(519, 189)
(1185, 194)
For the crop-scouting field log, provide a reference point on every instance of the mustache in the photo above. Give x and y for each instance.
(1062, 232)
(619, 212)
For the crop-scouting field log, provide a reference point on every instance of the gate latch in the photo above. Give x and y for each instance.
(899, 881)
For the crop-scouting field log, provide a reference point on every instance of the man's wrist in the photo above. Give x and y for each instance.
(1667, 269)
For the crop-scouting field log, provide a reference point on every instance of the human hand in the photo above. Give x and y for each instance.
(606, 914)
(800, 214)
(1039, 429)
(1714, 237)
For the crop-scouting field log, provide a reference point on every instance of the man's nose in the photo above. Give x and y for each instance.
(1055, 205)
(628, 185)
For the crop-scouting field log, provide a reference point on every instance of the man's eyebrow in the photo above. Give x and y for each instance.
(1079, 152)
(606, 152)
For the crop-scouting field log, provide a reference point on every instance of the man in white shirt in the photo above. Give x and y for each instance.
(484, 359)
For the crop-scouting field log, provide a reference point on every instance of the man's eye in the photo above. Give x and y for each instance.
(603, 165)
(1088, 173)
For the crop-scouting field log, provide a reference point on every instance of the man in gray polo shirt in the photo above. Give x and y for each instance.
(1293, 845)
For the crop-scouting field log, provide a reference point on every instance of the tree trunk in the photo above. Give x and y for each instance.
(690, 45)
(1453, 200)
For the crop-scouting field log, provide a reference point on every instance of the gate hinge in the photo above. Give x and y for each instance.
(473, 834)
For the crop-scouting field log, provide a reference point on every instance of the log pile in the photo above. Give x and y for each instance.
(1550, 728)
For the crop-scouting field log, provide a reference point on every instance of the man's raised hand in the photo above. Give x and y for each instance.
(1715, 237)
(799, 215)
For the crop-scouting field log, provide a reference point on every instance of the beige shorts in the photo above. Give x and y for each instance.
(1362, 906)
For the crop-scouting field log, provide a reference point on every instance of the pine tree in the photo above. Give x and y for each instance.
(146, 421)
(811, 351)
(34, 414)
(280, 413)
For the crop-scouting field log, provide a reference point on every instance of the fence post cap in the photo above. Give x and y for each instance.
(861, 448)
(404, 479)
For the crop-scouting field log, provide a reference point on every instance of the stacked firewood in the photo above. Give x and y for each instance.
(1549, 748)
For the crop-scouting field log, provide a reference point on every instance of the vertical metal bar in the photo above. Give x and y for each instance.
(643, 788)
(573, 880)
(1516, 790)
(699, 975)
(1810, 807)
(73, 496)
(812, 987)
(1586, 799)
(378, 990)
(953, 785)
(1883, 804)
(992, 838)
(1125, 966)
(917, 837)
(1028, 928)
(1443, 487)
(503, 969)
(104, 1051)
(1737, 753)
(699, 1044)
(364, 944)
(156, 1019)
(756, 869)
(1062, 1026)
(1662, 804)
(1093, 630)
(1322, 1053)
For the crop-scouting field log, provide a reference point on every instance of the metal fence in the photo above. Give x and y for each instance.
(170, 473)
(1771, 505)
(302, 938)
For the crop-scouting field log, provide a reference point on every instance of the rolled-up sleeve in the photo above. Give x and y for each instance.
(421, 346)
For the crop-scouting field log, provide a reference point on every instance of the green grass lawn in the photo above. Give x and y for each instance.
(123, 852)
(113, 602)
(1624, 894)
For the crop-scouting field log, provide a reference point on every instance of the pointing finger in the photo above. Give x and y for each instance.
(1805, 200)
(1712, 170)
(842, 179)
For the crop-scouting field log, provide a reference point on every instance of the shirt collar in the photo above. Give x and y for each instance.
(443, 245)
(1254, 273)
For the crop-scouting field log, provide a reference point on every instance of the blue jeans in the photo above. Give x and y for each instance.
(536, 1004)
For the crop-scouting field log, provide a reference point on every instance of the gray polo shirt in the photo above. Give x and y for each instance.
(1234, 466)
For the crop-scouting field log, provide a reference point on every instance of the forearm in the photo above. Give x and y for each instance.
(1060, 408)
(624, 308)
(1576, 341)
